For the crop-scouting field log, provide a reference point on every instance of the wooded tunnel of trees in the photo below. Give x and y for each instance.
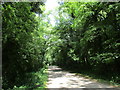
(86, 38)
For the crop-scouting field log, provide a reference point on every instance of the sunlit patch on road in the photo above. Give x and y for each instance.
(59, 78)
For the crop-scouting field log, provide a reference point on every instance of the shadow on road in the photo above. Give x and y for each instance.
(64, 80)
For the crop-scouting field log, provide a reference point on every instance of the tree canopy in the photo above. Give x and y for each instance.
(86, 37)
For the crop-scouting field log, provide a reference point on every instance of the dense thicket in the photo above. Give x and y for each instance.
(89, 38)
(86, 38)
(23, 45)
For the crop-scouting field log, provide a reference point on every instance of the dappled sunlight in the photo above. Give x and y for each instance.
(59, 78)
(81, 37)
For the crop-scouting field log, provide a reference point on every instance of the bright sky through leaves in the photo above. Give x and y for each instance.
(50, 5)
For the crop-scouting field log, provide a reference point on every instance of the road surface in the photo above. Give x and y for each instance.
(58, 78)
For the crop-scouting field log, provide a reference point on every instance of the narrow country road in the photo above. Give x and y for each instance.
(59, 78)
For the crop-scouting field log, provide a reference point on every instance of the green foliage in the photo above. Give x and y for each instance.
(35, 80)
(23, 47)
(90, 37)
(86, 37)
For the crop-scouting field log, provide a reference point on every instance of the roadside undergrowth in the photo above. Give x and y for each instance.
(34, 81)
